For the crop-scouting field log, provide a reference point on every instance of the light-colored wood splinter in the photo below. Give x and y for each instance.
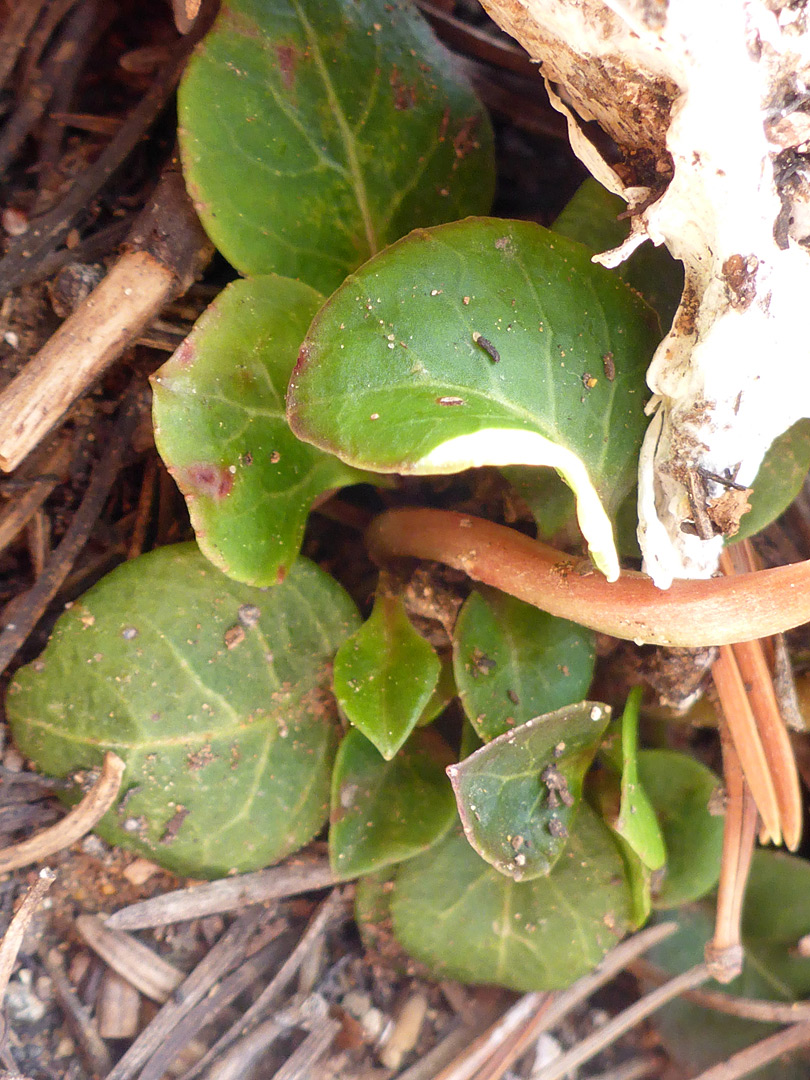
(80, 351)
(73, 826)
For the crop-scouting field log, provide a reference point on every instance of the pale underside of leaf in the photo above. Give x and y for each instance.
(510, 446)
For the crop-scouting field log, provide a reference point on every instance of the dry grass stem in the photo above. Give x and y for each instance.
(13, 937)
(50, 471)
(221, 958)
(742, 729)
(329, 912)
(760, 1054)
(491, 1053)
(625, 1021)
(297, 875)
(91, 1047)
(767, 1012)
(73, 826)
(724, 953)
(691, 613)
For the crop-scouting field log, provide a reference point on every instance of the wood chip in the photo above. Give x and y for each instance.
(137, 963)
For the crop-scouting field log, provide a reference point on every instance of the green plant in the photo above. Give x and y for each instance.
(234, 677)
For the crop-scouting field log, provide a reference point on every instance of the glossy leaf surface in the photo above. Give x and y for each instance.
(482, 342)
(221, 429)
(387, 811)
(518, 796)
(216, 695)
(315, 132)
(385, 675)
(464, 920)
(513, 662)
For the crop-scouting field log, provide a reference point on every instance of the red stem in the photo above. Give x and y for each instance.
(691, 614)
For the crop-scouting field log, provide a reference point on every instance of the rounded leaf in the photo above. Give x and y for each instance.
(216, 695)
(681, 791)
(386, 811)
(315, 132)
(513, 662)
(220, 427)
(464, 920)
(483, 343)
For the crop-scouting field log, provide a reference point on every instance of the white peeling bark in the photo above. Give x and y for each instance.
(708, 103)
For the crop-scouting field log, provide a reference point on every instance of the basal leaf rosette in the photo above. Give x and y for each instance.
(216, 696)
(314, 132)
(483, 342)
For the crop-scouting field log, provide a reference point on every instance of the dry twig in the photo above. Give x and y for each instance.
(73, 826)
(295, 876)
(13, 937)
(168, 248)
(30, 607)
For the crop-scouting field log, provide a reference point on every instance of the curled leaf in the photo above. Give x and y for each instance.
(518, 796)
(392, 376)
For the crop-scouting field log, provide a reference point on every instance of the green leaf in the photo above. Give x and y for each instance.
(315, 132)
(466, 921)
(626, 809)
(680, 790)
(519, 794)
(387, 811)
(216, 695)
(513, 662)
(443, 693)
(776, 916)
(385, 674)
(395, 374)
(636, 822)
(592, 218)
(779, 479)
(221, 429)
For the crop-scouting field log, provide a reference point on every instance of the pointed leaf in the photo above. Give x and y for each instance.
(221, 429)
(616, 791)
(513, 662)
(636, 822)
(481, 342)
(216, 695)
(519, 794)
(315, 132)
(385, 675)
(386, 811)
(466, 921)
(681, 791)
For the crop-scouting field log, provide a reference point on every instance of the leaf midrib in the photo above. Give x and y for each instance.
(355, 171)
